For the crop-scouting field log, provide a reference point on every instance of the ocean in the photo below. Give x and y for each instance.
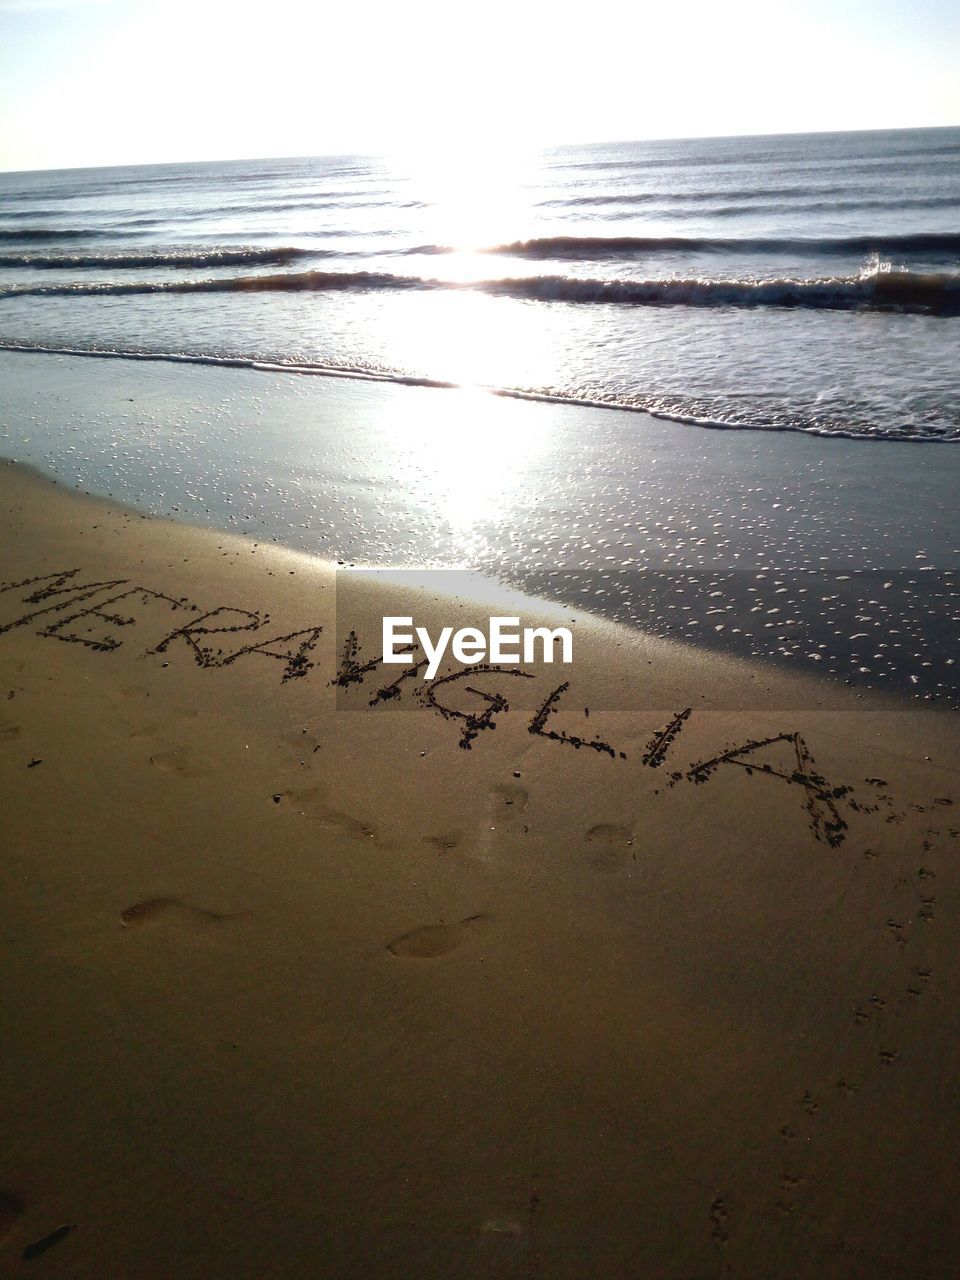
(712, 359)
(803, 283)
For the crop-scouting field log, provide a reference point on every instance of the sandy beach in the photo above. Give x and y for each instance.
(297, 982)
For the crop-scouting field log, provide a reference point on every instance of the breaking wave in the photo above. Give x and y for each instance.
(586, 248)
(687, 410)
(183, 258)
(928, 293)
(613, 246)
(19, 235)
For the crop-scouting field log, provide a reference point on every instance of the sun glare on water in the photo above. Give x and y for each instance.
(469, 458)
(476, 193)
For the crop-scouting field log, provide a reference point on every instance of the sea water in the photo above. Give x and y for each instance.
(800, 283)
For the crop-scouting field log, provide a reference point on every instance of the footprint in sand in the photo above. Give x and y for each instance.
(175, 760)
(610, 846)
(164, 729)
(512, 797)
(313, 804)
(502, 1242)
(433, 940)
(444, 844)
(11, 1208)
(145, 731)
(302, 743)
(168, 911)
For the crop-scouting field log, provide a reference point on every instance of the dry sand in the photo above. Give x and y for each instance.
(294, 985)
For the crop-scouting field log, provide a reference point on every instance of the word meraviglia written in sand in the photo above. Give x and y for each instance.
(64, 607)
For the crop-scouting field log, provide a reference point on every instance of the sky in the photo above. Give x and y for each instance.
(88, 82)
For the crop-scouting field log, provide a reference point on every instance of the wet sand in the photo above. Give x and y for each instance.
(836, 556)
(298, 982)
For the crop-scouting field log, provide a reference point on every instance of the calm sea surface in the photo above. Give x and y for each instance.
(801, 283)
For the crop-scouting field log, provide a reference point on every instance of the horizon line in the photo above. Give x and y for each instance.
(532, 147)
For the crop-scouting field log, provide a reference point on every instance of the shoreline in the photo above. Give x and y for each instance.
(438, 384)
(371, 1000)
(371, 473)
